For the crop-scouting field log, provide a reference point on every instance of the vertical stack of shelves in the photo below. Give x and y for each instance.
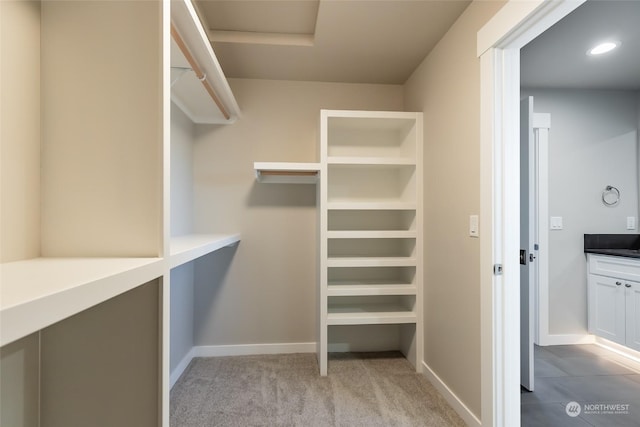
(371, 227)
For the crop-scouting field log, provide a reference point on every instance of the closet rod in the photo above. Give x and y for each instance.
(196, 69)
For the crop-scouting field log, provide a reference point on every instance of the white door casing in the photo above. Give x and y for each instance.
(499, 44)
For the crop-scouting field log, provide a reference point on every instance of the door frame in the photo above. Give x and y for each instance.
(498, 47)
(541, 126)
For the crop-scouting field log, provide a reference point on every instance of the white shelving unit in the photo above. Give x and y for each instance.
(286, 173)
(370, 220)
(85, 246)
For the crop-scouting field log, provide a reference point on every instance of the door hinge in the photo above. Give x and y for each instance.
(497, 269)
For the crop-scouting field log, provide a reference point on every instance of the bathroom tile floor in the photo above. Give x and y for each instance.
(604, 384)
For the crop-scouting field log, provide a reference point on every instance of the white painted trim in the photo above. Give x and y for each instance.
(631, 356)
(568, 339)
(458, 405)
(182, 366)
(490, 357)
(253, 349)
(541, 126)
(499, 44)
(519, 22)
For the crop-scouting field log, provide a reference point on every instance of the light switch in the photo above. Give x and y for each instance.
(631, 223)
(473, 226)
(556, 223)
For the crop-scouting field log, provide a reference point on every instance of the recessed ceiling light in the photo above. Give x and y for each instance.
(603, 48)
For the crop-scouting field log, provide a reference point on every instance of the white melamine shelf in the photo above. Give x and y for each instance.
(39, 292)
(369, 314)
(286, 172)
(348, 289)
(371, 234)
(406, 206)
(371, 262)
(389, 161)
(187, 248)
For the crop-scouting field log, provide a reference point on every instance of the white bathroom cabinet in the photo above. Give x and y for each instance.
(370, 219)
(614, 299)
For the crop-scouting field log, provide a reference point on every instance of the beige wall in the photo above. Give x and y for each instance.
(446, 86)
(265, 291)
(102, 128)
(20, 130)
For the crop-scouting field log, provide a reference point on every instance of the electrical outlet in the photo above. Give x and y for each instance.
(473, 226)
(556, 223)
(631, 223)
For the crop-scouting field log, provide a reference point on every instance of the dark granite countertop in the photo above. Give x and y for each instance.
(625, 245)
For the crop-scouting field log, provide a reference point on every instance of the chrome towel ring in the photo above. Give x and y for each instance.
(610, 195)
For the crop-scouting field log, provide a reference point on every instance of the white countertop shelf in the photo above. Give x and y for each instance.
(371, 262)
(369, 314)
(286, 172)
(189, 247)
(39, 292)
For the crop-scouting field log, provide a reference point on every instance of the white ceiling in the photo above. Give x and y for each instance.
(557, 59)
(358, 41)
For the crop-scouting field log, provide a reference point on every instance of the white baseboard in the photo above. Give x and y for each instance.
(627, 356)
(179, 370)
(566, 339)
(253, 349)
(465, 413)
(238, 350)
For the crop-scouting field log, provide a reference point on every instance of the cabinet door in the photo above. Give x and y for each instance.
(607, 308)
(632, 300)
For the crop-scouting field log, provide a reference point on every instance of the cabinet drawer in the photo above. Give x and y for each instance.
(613, 266)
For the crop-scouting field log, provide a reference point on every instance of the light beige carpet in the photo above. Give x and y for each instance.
(362, 389)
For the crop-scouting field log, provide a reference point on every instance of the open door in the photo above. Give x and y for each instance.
(528, 244)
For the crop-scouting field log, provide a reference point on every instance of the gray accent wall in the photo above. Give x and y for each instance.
(593, 142)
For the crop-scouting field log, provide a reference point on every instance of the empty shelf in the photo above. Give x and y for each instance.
(371, 206)
(192, 246)
(392, 161)
(371, 262)
(286, 173)
(369, 314)
(39, 292)
(371, 234)
(346, 289)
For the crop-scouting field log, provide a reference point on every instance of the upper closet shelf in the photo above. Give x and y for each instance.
(286, 173)
(192, 246)
(39, 292)
(198, 84)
